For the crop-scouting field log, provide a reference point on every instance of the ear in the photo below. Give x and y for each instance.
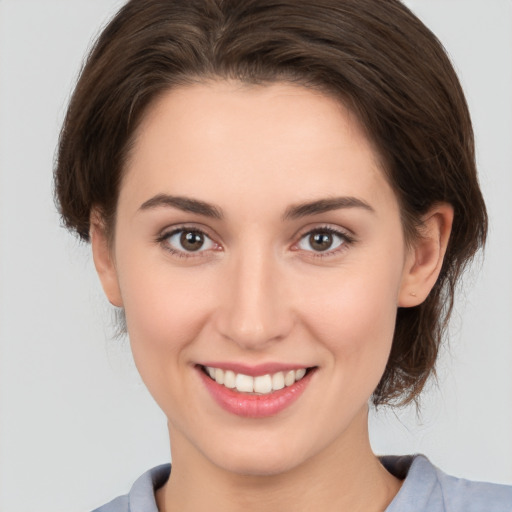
(104, 260)
(425, 257)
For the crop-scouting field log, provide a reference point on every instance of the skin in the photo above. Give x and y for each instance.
(260, 293)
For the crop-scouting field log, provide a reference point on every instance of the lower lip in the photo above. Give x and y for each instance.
(255, 406)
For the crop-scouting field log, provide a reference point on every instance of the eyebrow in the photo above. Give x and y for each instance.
(182, 203)
(294, 212)
(324, 205)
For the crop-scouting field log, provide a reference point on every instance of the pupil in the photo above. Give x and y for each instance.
(191, 240)
(320, 241)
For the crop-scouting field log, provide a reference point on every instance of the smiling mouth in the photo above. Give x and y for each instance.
(259, 385)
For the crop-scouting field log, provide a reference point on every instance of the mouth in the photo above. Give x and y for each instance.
(255, 396)
(259, 385)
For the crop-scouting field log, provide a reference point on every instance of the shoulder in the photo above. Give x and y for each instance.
(142, 493)
(119, 504)
(468, 496)
(428, 489)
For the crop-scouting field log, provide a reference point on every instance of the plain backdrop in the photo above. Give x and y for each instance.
(76, 424)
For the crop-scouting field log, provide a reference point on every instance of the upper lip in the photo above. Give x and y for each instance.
(254, 370)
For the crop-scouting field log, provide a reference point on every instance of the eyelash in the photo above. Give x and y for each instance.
(346, 240)
(164, 237)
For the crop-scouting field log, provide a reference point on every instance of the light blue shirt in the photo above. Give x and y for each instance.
(425, 489)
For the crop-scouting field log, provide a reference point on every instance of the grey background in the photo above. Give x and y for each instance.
(76, 424)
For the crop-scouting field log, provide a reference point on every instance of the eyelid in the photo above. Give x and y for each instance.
(169, 231)
(345, 234)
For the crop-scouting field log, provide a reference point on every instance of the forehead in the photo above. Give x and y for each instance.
(229, 139)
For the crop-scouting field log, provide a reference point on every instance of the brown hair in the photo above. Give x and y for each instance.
(374, 55)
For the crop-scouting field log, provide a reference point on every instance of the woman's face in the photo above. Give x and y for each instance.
(256, 236)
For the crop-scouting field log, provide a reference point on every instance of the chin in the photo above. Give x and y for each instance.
(258, 465)
(259, 457)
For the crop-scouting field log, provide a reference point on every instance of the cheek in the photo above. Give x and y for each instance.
(353, 315)
(160, 297)
(165, 312)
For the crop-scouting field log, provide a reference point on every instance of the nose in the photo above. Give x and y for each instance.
(255, 309)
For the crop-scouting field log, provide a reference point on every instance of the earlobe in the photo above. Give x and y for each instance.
(103, 260)
(426, 256)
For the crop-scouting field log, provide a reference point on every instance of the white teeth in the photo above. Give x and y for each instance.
(229, 379)
(263, 384)
(219, 375)
(289, 378)
(300, 373)
(244, 383)
(278, 381)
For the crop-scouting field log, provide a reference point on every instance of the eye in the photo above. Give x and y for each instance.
(187, 241)
(322, 240)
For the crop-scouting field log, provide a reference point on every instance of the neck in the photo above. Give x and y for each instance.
(346, 476)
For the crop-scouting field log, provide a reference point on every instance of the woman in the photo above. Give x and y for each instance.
(281, 197)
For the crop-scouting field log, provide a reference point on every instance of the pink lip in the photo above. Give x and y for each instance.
(254, 370)
(254, 406)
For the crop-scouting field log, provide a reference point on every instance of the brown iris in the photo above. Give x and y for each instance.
(191, 240)
(321, 241)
